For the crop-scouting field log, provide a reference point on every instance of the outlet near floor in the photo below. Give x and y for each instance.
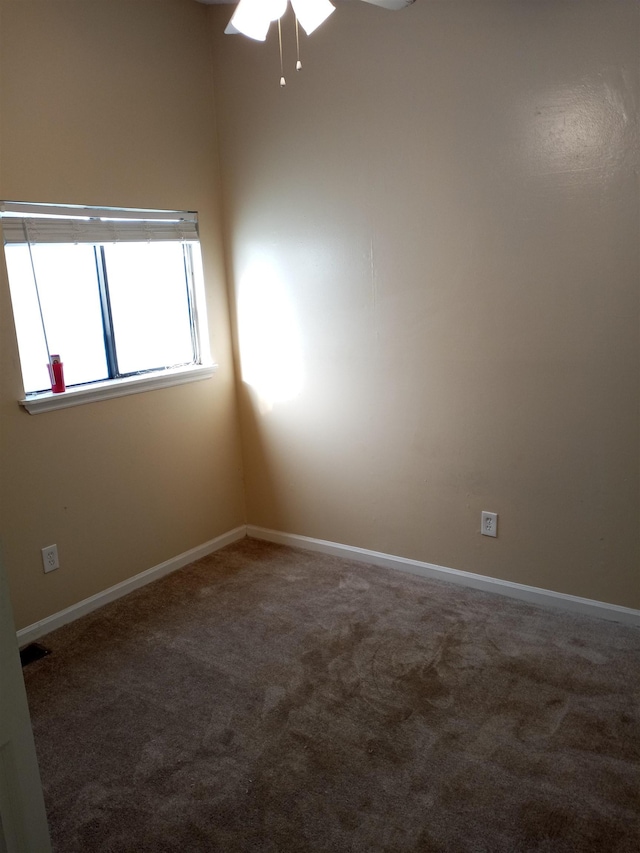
(50, 558)
(489, 523)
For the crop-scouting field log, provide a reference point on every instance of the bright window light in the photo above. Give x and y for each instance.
(70, 303)
(149, 305)
(114, 293)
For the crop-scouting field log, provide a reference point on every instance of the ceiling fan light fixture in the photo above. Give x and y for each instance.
(312, 13)
(252, 18)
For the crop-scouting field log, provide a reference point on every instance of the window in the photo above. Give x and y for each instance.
(117, 294)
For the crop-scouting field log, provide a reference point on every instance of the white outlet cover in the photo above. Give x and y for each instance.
(50, 560)
(489, 523)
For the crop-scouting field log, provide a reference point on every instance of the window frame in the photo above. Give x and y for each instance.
(108, 220)
(93, 392)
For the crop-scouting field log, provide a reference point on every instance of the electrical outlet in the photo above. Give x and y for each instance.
(489, 524)
(50, 558)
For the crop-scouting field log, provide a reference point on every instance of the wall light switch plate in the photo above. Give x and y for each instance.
(489, 524)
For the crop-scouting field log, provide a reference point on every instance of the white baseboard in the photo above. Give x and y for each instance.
(530, 594)
(69, 614)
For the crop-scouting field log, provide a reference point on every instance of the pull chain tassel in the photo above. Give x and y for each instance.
(298, 63)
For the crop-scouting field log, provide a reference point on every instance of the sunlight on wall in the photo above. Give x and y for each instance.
(270, 345)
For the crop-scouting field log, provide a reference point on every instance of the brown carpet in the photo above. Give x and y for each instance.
(272, 700)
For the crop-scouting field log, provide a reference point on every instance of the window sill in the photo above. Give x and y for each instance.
(35, 404)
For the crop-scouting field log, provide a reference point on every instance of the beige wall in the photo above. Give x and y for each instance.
(445, 205)
(110, 103)
(446, 199)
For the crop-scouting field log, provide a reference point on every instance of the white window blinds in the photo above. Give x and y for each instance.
(33, 223)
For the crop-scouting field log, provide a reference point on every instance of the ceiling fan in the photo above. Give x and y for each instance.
(254, 17)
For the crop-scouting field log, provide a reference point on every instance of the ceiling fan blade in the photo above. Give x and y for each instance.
(395, 5)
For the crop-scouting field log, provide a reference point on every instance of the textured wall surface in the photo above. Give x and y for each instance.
(433, 236)
(111, 104)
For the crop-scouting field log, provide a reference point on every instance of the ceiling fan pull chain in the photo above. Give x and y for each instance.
(283, 82)
(298, 63)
